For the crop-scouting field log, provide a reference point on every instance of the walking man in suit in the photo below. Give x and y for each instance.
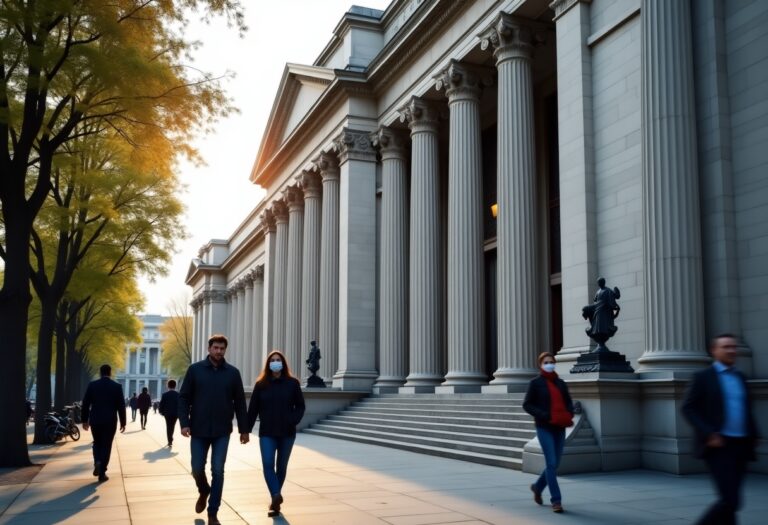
(719, 408)
(102, 404)
(169, 409)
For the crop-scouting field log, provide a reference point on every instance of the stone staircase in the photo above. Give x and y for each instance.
(482, 428)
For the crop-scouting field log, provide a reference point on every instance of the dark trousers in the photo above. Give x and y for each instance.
(103, 435)
(170, 424)
(143, 417)
(728, 466)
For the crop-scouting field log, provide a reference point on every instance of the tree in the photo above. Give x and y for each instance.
(176, 332)
(65, 64)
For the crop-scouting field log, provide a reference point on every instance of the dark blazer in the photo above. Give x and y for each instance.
(103, 403)
(537, 400)
(210, 397)
(703, 408)
(144, 402)
(278, 404)
(169, 404)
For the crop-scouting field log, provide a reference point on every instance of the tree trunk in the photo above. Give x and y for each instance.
(44, 355)
(60, 397)
(14, 310)
(73, 390)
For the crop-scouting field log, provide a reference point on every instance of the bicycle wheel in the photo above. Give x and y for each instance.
(50, 433)
(74, 432)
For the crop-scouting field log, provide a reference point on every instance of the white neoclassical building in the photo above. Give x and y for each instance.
(143, 360)
(448, 179)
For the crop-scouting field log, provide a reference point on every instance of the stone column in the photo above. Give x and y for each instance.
(426, 289)
(196, 305)
(329, 267)
(357, 265)
(231, 332)
(259, 351)
(393, 309)
(578, 226)
(310, 272)
(217, 322)
(517, 281)
(270, 229)
(295, 199)
(202, 350)
(466, 305)
(280, 274)
(673, 280)
(248, 347)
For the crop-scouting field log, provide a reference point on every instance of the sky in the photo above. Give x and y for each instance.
(218, 196)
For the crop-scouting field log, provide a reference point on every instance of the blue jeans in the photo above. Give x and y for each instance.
(552, 441)
(275, 471)
(199, 448)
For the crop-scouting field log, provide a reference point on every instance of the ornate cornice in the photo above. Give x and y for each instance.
(354, 144)
(327, 165)
(215, 296)
(560, 7)
(392, 143)
(421, 115)
(460, 81)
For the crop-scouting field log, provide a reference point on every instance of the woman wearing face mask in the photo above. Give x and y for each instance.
(278, 403)
(549, 402)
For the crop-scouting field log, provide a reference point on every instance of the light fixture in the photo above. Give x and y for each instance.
(494, 209)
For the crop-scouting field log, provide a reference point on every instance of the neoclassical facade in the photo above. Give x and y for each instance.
(447, 181)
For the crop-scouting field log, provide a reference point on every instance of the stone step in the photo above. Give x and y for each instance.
(474, 426)
(434, 450)
(515, 408)
(373, 411)
(454, 398)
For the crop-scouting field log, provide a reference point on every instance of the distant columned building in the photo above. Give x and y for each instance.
(446, 182)
(143, 361)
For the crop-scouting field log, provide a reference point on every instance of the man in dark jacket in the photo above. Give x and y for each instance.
(144, 402)
(211, 394)
(102, 404)
(169, 409)
(718, 406)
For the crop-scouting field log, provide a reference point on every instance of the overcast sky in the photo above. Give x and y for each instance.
(219, 195)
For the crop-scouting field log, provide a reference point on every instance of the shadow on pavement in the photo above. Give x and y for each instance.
(79, 499)
(161, 453)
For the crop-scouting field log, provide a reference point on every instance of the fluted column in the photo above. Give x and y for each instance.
(357, 264)
(672, 282)
(231, 332)
(269, 227)
(248, 347)
(426, 290)
(202, 350)
(281, 276)
(329, 267)
(310, 287)
(259, 354)
(393, 289)
(241, 348)
(196, 305)
(517, 280)
(295, 200)
(466, 308)
(218, 322)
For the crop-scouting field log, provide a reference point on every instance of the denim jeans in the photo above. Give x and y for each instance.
(199, 448)
(275, 471)
(552, 441)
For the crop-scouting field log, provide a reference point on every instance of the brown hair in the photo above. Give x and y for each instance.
(218, 338)
(263, 379)
(544, 355)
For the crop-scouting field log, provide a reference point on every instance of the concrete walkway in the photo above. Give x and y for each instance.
(339, 482)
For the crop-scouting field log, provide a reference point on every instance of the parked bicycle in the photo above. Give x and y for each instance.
(58, 426)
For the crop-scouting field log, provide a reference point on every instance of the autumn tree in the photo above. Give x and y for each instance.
(176, 332)
(64, 65)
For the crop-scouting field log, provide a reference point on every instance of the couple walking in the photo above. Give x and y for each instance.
(212, 394)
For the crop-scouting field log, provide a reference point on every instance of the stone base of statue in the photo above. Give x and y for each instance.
(315, 381)
(601, 360)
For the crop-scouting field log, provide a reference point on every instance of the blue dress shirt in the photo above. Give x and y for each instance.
(734, 401)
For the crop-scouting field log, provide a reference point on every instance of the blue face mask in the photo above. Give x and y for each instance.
(276, 366)
(549, 367)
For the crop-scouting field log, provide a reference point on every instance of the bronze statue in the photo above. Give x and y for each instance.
(313, 365)
(601, 314)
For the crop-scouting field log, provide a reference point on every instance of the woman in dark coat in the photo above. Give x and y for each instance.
(278, 403)
(550, 404)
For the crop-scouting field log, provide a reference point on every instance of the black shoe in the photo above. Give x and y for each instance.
(96, 468)
(213, 520)
(103, 478)
(277, 500)
(202, 500)
(536, 495)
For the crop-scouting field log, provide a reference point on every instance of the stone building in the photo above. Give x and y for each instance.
(143, 361)
(447, 181)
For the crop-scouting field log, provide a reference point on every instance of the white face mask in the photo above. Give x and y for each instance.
(276, 366)
(548, 367)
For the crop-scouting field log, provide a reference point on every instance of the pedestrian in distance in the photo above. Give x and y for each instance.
(144, 402)
(278, 404)
(169, 409)
(155, 406)
(719, 407)
(102, 405)
(550, 404)
(133, 403)
(211, 395)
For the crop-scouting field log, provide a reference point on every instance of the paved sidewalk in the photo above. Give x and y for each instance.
(341, 482)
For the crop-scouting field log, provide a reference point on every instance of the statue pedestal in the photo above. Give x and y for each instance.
(315, 381)
(602, 360)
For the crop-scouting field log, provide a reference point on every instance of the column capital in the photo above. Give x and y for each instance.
(280, 211)
(511, 37)
(294, 197)
(310, 184)
(328, 166)
(248, 278)
(460, 81)
(258, 273)
(216, 296)
(391, 143)
(560, 7)
(268, 221)
(354, 144)
(421, 115)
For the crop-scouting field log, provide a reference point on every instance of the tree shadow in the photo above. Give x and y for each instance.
(71, 503)
(161, 453)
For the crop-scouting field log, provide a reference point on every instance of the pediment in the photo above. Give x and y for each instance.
(300, 87)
